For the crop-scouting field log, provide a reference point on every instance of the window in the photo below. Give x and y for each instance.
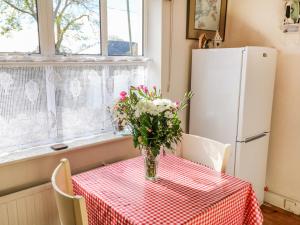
(54, 101)
(76, 27)
(19, 26)
(43, 104)
(128, 38)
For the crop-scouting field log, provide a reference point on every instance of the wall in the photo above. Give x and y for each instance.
(153, 40)
(258, 23)
(32, 172)
(176, 53)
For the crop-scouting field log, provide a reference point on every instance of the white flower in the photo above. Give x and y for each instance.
(145, 106)
(169, 115)
(162, 102)
(137, 113)
(174, 105)
(154, 107)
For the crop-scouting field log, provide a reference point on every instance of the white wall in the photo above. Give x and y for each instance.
(153, 40)
(258, 23)
(28, 173)
(176, 72)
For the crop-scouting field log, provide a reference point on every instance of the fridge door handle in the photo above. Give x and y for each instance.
(247, 140)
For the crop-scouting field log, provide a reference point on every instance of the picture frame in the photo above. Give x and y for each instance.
(206, 16)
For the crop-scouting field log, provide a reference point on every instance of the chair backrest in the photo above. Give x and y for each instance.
(71, 209)
(208, 152)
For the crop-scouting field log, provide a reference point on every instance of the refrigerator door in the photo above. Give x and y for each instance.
(257, 88)
(251, 162)
(216, 76)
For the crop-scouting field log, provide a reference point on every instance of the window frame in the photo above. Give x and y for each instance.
(47, 55)
(47, 40)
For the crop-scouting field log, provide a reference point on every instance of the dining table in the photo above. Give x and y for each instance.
(185, 193)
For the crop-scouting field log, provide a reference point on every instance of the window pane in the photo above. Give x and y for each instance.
(126, 76)
(18, 26)
(125, 26)
(80, 109)
(77, 26)
(56, 103)
(23, 108)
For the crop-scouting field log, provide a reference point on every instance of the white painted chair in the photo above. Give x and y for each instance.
(71, 209)
(204, 151)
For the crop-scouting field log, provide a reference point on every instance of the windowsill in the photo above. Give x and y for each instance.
(24, 58)
(43, 151)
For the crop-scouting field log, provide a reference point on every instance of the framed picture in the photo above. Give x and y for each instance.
(206, 16)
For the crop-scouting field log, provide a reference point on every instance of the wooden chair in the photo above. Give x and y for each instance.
(71, 209)
(207, 152)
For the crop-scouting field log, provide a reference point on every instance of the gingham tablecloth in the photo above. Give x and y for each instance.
(185, 193)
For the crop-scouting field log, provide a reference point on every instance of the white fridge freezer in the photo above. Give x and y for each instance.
(232, 104)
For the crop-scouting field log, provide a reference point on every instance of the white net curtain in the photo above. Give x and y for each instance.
(53, 103)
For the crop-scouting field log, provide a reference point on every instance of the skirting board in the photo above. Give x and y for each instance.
(283, 202)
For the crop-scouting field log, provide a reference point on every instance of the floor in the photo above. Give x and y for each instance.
(276, 216)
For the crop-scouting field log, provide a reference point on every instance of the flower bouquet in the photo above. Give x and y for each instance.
(153, 122)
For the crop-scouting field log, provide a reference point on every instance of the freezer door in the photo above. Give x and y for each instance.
(257, 86)
(216, 76)
(251, 162)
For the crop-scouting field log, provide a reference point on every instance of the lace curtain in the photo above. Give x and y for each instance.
(53, 103)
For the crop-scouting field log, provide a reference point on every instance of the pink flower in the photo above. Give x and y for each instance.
(141, 87)
(123, 94)
(177, 103)
(145, 89)
(123, 98)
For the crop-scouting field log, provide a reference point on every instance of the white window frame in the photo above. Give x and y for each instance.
(46, 27)
(47, 55)
(153, 26)
(47, 41)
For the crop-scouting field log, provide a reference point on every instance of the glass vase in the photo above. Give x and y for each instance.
(150, 165)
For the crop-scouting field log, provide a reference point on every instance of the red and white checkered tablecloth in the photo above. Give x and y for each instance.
(185, 193)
